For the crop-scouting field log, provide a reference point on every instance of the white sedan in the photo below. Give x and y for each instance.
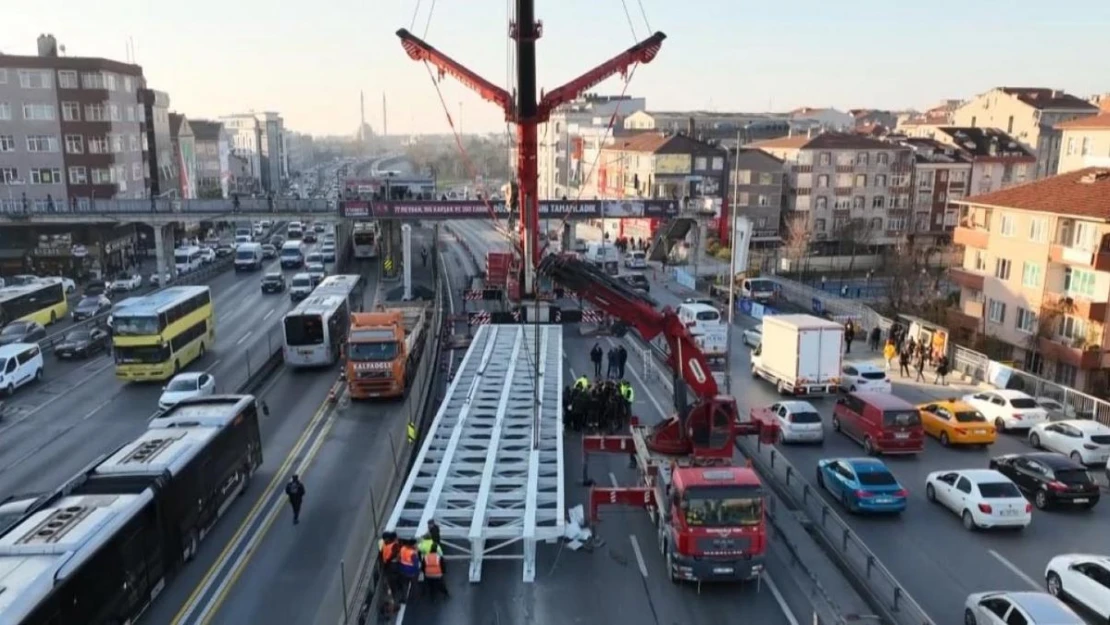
(1080, 578)
(753, 337)
(982, 498)
(862, 376)
(186, 386)
(1009, 410)
(126, 282)
(1086, 442)
(798, 421)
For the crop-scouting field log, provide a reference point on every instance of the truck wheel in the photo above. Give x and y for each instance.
(835, 424)
(670, 568)
(781, 387)
(755, 374)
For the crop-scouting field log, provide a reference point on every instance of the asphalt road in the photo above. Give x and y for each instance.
(621, 581)
(292, 574)
(927, 549)
(79, 411)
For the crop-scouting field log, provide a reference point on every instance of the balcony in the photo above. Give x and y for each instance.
(956, 318)
(967, 278)
(1072, 354)
(1076, 257)
(971, 237)
(1078, 306)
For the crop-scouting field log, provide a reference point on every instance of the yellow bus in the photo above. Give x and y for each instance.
(156, 336)
(43, 302)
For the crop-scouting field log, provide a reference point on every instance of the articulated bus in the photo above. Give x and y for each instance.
(157, 335)
(316, 329)
(98, 550)
(365, 239)
(44, 302)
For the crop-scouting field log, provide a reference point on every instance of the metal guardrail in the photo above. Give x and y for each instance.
(169, 207)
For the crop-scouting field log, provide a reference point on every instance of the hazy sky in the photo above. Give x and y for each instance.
(309, 60)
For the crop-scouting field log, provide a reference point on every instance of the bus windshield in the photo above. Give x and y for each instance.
(304, 330)
(181, 259)
(148, 354)
(723, 507)
(364, 238)
(136, 325)
(245, 255)
(373, 352)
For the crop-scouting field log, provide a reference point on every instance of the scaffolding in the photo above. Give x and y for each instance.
(490, 471)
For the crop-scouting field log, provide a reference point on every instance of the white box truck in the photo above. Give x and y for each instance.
(800, 354)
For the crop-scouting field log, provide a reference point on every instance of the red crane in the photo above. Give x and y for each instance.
(526, 112)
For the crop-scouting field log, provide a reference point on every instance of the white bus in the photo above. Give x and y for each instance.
(317, 328)
(364, 238)
(186, 259)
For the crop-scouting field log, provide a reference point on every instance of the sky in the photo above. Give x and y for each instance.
(310, 60)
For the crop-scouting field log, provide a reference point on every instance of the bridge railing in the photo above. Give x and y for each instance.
(168, 207)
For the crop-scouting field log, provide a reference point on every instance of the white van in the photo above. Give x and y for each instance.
(759, 289)
(294, 234)
(636, 260)
(186, 259)
(241, 239)
(292, 255)
(604, 255)
(248, 256)
(242, 232)
(710, 330)
(20, 364)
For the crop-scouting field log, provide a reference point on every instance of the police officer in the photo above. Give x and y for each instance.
(613, 368)
(628, 395)
(294, 491)
(582, 383)
(595, 357)
(622, 360)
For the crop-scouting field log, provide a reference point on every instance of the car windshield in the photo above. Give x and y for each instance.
(872, 375)
(998, 490)
(970, 416)
(372, 346)
(1023, 402)
(245, 255)
(316, 269)
(302, 281)
(272, 278)
(77, 336)
(1050, 404)
(16, 328)
(876, 478)
(181, 385)
(805, 417)
(723, 507)
(89, 302)
(1073, 476)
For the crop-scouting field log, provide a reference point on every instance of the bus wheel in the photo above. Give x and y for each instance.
(190, 546)
(245, 476)
(53, 317)
(202, 351)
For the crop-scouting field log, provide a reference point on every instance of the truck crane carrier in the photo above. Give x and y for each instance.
(708, 512)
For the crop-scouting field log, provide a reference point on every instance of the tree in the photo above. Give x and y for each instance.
(852, 236)
(910, 289)
(795, 244)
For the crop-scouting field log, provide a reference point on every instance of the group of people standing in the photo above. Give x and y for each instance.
(405, 562)
(911, 355)
(605, 405)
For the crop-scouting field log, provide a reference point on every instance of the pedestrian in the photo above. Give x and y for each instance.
(596, 355)
(904, 360)
(408, 568)
(942, 371)
(919, 364)
(434, 569)
(889, 352)
(613, 359)
(424, 255)
(433, 531)
(876, 338)
(622, 360)
(388, 550)
(294, 491)
(849, 336)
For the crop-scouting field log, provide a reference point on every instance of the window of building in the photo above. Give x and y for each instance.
(843, 203)
(880, 180)
(110, 81)
(136, 171)
(98, 145)
(71, 111)
(1085, 235)
(42, 143)
(1031, 275)
(130, 110)
(766, 179)
(93, 80)
(973, 121)
(878, 201)
(1006, 225)
(67, 79)
(942, 176)
(1038, 230)
(75, 144)
(96, 113)
(924, 199)
(117, 143)
(942, 198)
(35, 79)
(894, 224)
(763, 200)
(78, 175)
(743, 198)
(1073, 327)
(700, 163)
(959, 175)
(113, 112)
(980, 260)
(1079, 282)
(38, 112)
(1085, 148)
(882, 158)
(744, 176)
(133, 142)
(1010, 126)
(825, 158)
(718, 163)
(924, 180)
(861, 180)
(823, 181)
(101, 176)
(821, 202)
(7, 143)
(1026, 321)
(46, 175)
(996, 311)
(127, 86)
(8, 175)
(1066, 374)
(862, 158)
(819, 225)
(1002, 268)
(5, 111)
(1070, 148)
(859, 202)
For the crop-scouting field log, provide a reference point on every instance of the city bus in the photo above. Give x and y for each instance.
(364, 238)
(99, 549)
(42, 302)
(316, 329)
(157, 335)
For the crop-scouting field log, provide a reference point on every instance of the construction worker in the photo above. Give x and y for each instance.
(434, 570)
(627, 393)
(408, 568)
(582, 383)
(410, 432)
(595, 357)
(388, 551)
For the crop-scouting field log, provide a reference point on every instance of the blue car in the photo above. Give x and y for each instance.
(862, 484)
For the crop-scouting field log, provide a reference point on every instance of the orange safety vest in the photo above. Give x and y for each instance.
(387, 551)
(408, 556)
(433, 568)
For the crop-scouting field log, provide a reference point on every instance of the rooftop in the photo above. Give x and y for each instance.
(931, 151)
(660, 143)
(1081, 193)
(985, 142)
(205, 130)
(827, 141)
(1094, 122)
(1043, 98)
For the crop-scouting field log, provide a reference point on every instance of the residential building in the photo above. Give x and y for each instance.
(561, 151)
(756, 190)
(300, 151)
(184, 153)
(274, 156)
(212, 150)
(915, 124)
(1036, 276)
(246, 142)
(998, 161)
(836, 180)
(825, 118)
(240, 179)
(941, 176)
(724, 129)
(872, 117)
(1029, 115)
(163, 176)
(70, 129)
(1086, 142)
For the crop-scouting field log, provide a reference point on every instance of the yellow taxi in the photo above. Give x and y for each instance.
(954, 422)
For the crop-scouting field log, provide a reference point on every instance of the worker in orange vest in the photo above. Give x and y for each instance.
(388, 551)
(433, 572)
(408, 566)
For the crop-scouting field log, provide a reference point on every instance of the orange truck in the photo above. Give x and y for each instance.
(383, 351)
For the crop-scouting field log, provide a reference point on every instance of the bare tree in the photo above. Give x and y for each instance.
(796, 239)
(911, 289)
(853, 236)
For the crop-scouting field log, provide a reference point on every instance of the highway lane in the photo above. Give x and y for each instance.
(927, 549)
(81, 410)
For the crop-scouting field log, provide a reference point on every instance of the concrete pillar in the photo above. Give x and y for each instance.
(406, 260)
(163, 248)
(700, 243)
(391, 259)
(567, 236)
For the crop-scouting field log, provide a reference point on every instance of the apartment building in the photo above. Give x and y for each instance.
(246, 142)
(998, 161)
(1036, 275)
(728, 130)
(756, 190)
(163, 178)
(561, 154)
(212, 152)
(70, 129)
(941, 176)
(1086, 142)
(184, 153)
(1029, 115)
(661, 165)
(835, 179)
(274, 155)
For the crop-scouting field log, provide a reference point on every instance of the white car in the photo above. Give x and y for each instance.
(163, 280)
(186, 386)
(1005, 607)
(207, 255)
(1081, 578)
(68, 285)
(1009, 410)
(982, 498)
(863, 376)
(753, 337)
(1086, 442)
(126, 282)
(798, 421)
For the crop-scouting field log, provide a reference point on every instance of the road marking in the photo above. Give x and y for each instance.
(268, 314)
(27, 415)
(639, 555)
(205, 584)
(244, 337)
(31, 452)
(1014, 569)
(212, 366)
(787, 612)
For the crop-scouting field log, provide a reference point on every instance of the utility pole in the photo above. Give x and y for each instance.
(732, 264)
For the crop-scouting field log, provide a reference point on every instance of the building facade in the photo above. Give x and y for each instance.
(562, 140)
(998, 161)
(756, 190)
(1085, 142)
(728, 130)
(838, 181)
(274, 156)
(246, 141)
(70, 129)
(1036, 276)
(661, 166)
(1029, 115)
(941, 177)
(162, 166)
(184, 154)
(212, 149)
